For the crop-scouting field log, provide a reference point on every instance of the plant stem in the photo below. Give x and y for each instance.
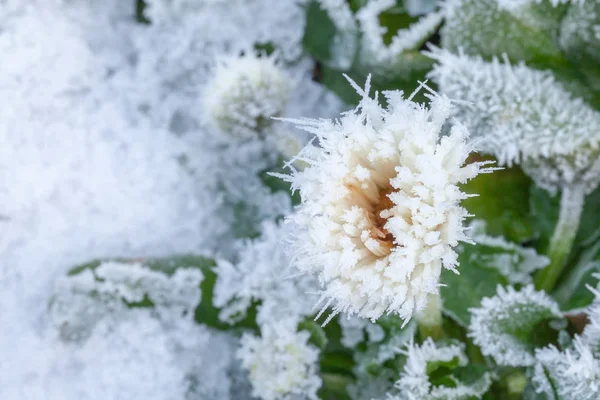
(571, 206)
(430, 319)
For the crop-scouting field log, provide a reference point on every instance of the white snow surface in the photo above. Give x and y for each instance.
(103, 154)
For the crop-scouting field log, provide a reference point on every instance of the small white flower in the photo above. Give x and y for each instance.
(245, 93)
(282, 365)
(380, 210)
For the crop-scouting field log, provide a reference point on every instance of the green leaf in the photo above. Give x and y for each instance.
(476, 281)
(502, 202)
(528, 33)
(317, 333)
(319, 32)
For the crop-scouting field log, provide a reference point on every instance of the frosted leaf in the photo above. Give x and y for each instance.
(245, 93)
(354, 329)
(380, 211)
(510, 4)
(374, 54)
(345, 42)
(481, 27)
(503, 324)
(573, 374)
(580, 30)
(414, 382)
(82, 299)
(263, 274)
(524, 116)
(513, 261)
(282, 365)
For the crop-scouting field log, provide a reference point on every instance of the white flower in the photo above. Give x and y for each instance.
(282, 365)
(525, 116)
(573, 374)
(500, 324)
(380, 210)
(245, 93)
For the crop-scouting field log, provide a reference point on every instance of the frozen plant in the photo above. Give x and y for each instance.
(281, 363)
(245, 93)
(380, 212)
(525, 116)
(504, 324)
(422, 362)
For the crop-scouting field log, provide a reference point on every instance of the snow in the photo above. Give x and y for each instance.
(103, 153)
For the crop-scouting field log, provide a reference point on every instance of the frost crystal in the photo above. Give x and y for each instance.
(374, 52)
(415, 383)
(245, 93)
(263, 274)
(501, 324)
(573, 374)
(380, 210)
(82, 299)
(523, 115)
(282, 365)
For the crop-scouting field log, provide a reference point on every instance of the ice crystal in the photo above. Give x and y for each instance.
(380, 210)
(525, 116)
(573, 374)
(415, 383)
(282, 365)
(263, 275)
(501, 323)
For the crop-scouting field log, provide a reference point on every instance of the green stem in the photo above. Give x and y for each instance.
(430, 319)
(571, 206)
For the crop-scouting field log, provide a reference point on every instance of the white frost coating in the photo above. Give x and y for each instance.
(516, 263)
(81, 300)
(514, 4)
(574, 373)
(580, 30)
(282, 365)
(245, 93)
(374, 52)
(523, 115)
(494, 325)
(354, 328)
(414, 382)
(345, 41)
(263, 274)
(380, 210)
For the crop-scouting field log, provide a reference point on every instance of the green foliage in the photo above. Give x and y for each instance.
(476, 281)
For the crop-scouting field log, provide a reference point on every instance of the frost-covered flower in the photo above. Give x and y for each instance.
(415, 383)
(501, 325)
(524, 116)
(282, 365)
(573, 374)
(245, 93)
(380, 210)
